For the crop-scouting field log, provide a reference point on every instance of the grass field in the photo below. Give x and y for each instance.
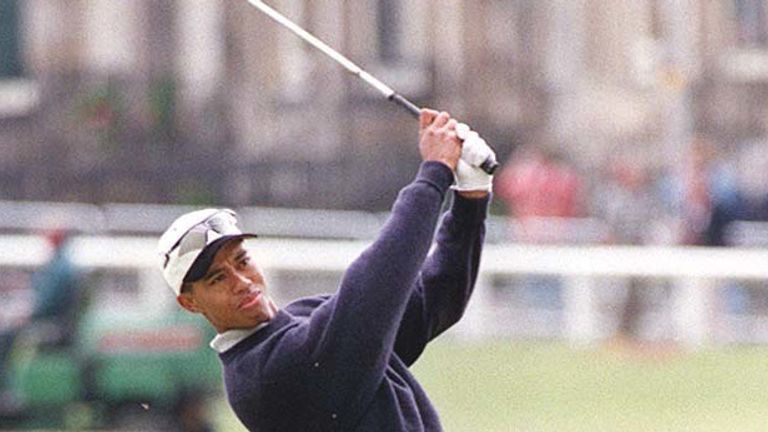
(512, 386)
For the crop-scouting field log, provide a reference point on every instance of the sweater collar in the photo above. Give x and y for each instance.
(225, 341)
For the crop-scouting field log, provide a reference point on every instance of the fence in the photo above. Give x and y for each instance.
(574, 289)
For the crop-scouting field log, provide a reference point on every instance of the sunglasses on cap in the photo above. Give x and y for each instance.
(219, 224)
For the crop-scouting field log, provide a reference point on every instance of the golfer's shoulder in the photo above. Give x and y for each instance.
(304, 306)
(285, 344)
(273, 359)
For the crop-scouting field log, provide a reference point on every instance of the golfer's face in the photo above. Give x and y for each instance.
(232, 295)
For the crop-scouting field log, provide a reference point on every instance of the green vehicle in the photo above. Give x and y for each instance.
(130, 359)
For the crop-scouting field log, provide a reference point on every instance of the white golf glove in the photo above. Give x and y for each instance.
(469, 177)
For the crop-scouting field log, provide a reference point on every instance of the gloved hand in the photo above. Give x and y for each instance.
(474, 151)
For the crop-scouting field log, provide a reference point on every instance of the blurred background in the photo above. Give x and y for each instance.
(624, 282)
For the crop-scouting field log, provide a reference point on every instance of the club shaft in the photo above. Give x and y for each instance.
(405, 103)
(488, 166)
(354, 69)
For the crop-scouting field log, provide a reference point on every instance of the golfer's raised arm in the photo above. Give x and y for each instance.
(447, 279)
(361, 321)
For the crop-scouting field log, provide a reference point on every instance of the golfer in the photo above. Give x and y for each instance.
(340, 362)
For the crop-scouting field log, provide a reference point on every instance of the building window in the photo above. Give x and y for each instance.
(751, 25)
(294, 60)
(10, 40)
(388, 24)
(399, 32)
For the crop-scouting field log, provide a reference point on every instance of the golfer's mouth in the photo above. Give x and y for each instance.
(250, 300)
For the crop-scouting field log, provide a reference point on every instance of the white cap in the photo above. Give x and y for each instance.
(188, 236)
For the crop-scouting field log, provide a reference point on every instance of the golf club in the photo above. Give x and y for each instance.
(489, 165)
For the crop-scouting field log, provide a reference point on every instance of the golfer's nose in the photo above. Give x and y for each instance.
(240, 282)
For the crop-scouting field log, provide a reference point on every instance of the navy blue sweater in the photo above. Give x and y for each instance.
(340, 362)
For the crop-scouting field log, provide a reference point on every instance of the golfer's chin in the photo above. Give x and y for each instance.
(259, 311)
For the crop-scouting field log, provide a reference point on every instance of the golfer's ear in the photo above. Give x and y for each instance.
(187, 301)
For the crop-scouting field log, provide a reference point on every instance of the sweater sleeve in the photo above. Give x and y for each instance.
(353, 333)
(447, 278)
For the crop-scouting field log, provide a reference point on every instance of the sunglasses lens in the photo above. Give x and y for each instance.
(195, 239)
(222, 223)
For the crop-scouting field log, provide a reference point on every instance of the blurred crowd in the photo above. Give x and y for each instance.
(550, 199)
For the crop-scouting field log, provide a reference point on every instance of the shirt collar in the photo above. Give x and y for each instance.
(225, 341)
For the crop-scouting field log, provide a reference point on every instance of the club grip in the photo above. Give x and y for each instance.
(489, 166)
(405, 103)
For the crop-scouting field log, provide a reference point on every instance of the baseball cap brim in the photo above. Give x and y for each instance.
(203, 262)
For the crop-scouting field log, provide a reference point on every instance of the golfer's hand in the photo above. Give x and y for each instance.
(471, 181)
(437, 138)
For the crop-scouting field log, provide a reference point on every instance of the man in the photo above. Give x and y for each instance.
(340, 362)
(56, 286)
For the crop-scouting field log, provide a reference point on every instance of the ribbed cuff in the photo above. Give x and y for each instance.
(470, 209)
(437, 174)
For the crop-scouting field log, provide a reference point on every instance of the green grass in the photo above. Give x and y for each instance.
(508, 386)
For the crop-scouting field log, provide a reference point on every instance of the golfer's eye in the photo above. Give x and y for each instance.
(243, 263)
(216, 279)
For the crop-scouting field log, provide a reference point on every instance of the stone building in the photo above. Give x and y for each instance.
(208, 101)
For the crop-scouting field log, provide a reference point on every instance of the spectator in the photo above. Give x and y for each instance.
(749, 201)
(540, 184)
(688, 194)
(624, 199)
(55, 288)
